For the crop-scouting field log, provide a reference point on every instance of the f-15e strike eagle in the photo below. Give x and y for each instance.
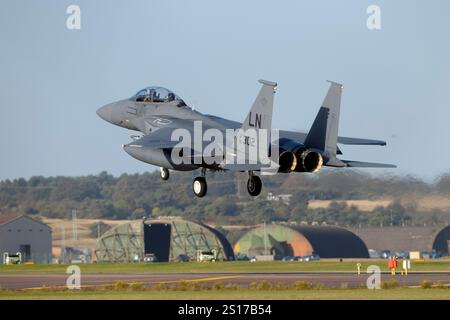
(176, 137)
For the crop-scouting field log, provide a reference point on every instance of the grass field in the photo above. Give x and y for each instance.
(117, 292)
(426, 203)
(225, 267)
(342, 294)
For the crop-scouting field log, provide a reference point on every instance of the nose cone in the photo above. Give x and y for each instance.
(105, 112)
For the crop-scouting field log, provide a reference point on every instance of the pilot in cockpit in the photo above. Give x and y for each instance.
(170, 97)
(158, 95)
(152, 95)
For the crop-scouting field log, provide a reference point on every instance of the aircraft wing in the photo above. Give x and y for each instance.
(161, 135)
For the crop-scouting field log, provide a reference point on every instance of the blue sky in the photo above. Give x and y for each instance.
(211, 53)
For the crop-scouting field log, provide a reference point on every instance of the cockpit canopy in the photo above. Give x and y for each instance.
(157, 95)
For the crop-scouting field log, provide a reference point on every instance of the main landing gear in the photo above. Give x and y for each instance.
(199, 185)
(254, 185)
(164, 173)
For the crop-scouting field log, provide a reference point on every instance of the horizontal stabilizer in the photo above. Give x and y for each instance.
(361, 142)
(360, 164)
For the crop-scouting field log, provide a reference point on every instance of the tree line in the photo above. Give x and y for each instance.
(134, 196)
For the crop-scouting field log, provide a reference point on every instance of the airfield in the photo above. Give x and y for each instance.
(326, 279)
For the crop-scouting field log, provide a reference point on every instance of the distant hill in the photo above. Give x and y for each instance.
(343, 197)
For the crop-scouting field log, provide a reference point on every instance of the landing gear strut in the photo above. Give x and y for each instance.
(164, 173)
(199, 185)
(254, 184)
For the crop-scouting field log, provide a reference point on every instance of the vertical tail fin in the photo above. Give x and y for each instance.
(260, 115)
(324, 131)
(253, 138)
(259, 118)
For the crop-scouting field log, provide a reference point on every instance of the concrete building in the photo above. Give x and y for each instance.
(425, 238)
(20, 233)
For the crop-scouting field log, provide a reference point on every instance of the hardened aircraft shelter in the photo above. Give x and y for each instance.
(167, 239)
(283, 241)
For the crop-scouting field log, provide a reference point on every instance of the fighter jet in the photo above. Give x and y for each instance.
(176, 137)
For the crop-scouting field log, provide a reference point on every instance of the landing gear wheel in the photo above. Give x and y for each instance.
(254, 185)
(164, 173)
(199, 186)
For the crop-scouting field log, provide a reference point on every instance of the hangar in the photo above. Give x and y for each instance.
(407, 238)
(441, 242)
(282, 241)
(21, 233)
(166, 238)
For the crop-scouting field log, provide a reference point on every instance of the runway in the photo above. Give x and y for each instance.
(328, 279)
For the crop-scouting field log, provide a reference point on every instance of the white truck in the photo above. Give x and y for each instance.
(12, 258)
(207, 256)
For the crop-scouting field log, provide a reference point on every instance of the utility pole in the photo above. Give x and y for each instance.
(74, 225)
(63, 243)
(265, 238)
(392, 220)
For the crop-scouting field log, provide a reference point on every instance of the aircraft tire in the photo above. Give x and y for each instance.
(254, 186)
(164, 174)
(199, 187)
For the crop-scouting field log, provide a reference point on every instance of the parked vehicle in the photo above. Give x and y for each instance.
(241, 257)
(373, 254)
(10, 258)
(402, 255)
(150, 257)
(207, 256)
(385, 254)
(183, 258)
(315, 257)
(287, 258)
(312, 257)
(435, 254)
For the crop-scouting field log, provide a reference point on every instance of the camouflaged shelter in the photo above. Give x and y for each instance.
(284, 241)
(166, 238)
